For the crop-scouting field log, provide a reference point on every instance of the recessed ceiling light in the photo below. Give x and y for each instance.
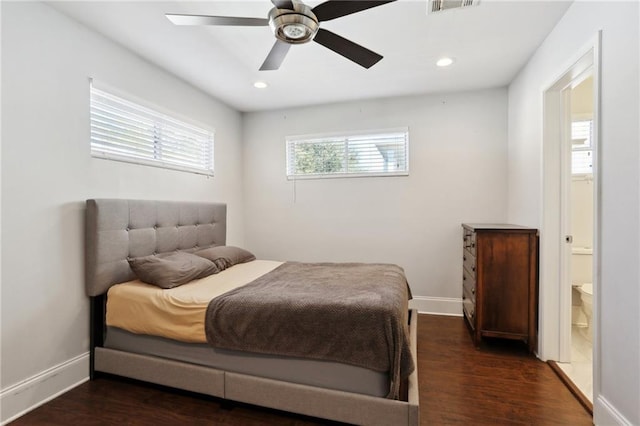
(444, 62)
(260, 85)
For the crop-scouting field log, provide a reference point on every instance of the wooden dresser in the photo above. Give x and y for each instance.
(500, 282)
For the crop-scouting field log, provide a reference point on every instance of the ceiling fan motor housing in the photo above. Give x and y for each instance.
(295, 26)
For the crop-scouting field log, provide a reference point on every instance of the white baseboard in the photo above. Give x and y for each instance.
(19, 399)
(605, 414)
(437, 305)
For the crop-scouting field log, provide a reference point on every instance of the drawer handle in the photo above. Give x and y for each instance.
(464, 278)
(473, 291)
(473, 268)
(464, 258)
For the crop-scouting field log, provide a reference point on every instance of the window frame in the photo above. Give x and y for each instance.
(346, 135)
(160, 118)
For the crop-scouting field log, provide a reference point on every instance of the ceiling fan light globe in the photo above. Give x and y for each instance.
(295, 31)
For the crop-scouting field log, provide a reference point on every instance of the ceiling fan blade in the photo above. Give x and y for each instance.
(350, 50)
(276, 56)
(216, 20)
(283, 4)
(332, 9)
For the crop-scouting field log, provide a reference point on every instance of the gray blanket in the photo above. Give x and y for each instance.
(353, 313)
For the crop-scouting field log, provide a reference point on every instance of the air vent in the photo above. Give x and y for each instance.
(441, 5)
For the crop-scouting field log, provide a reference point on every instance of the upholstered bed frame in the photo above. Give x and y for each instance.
(119, 229)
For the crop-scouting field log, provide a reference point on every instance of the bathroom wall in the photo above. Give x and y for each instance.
(582, 229)
(582, 195)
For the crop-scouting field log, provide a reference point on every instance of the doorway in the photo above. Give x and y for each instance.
(577, 207)
(569, 256)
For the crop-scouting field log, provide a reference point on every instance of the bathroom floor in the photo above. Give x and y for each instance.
(580, 370)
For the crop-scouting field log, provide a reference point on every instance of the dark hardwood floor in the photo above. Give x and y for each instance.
(498, 384)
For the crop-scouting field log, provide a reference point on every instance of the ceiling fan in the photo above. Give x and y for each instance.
(293, 22)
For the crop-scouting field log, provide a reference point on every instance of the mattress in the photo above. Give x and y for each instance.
(169, 323)
(177, 313)
(329, 375)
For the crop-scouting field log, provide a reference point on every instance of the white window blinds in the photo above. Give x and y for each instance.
(125, 131)
(380, 153)
(581, 147)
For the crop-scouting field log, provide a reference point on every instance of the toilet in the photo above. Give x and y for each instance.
(586, 296)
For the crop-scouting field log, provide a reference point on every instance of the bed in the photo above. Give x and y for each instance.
(330, 386)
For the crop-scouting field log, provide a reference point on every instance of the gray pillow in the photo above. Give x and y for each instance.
(170, 270)
(226, 256)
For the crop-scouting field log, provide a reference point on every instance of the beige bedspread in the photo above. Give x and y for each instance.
(350, 313)
(176, 313)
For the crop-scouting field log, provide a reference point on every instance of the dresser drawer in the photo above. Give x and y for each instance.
(469, 239)
(469, 283)
(469, 308)
(469, 262)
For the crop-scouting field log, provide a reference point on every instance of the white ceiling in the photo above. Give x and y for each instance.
(489, 42)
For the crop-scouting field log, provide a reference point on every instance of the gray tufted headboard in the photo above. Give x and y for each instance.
(117, 230)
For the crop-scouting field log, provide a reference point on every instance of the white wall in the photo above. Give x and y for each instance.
(457, 174)
(47, 173)
(616, 397)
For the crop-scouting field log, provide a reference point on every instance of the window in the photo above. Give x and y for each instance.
(379, 153)
(581, 147)
(125, 131)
